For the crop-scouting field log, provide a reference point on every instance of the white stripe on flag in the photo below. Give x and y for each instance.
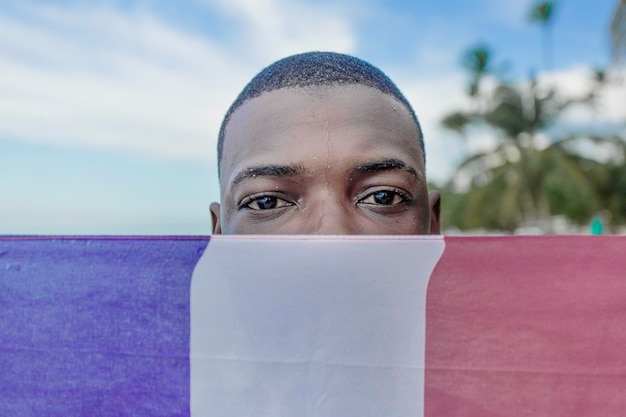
(310, 326)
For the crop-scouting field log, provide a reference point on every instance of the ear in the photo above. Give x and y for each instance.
(216, 219)
(434, 199)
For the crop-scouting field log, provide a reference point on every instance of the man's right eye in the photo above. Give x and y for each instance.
(264, 202)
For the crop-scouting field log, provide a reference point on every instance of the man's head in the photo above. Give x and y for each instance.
(322, 143)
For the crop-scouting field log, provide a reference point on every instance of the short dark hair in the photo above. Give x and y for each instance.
(315, 69)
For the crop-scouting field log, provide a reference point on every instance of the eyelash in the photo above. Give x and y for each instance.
(246, 202)
(405, 197)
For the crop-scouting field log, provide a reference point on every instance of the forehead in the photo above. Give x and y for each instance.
(296, 122)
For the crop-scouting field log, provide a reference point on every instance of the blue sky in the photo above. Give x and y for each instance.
(109, 110)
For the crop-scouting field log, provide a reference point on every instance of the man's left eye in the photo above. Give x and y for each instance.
(384, 198)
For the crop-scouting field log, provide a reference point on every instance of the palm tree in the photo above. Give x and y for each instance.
(542, 12)
(522, 180)
(618, 30)
(477, 61)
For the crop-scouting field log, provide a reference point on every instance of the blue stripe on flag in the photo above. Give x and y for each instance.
(95, 326)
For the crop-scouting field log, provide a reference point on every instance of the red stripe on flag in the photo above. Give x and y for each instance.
(527, 326)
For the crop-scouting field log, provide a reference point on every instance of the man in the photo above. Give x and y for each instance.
(322, 143)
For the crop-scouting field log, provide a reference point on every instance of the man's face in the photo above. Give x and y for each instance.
(331, 160)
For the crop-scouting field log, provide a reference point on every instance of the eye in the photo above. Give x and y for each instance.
(385, 198)
(263, 202)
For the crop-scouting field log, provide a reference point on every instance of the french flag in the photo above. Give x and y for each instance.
(354, 326)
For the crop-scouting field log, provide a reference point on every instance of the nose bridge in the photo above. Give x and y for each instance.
(333, 218)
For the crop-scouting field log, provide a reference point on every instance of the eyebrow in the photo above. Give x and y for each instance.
(268, 171)
(386, 165)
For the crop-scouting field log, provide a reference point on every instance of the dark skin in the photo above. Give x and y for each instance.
(327, 160)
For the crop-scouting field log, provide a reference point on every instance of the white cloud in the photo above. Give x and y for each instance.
(273, 29)
(610, 103)
(510, 13)
(101, 79)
